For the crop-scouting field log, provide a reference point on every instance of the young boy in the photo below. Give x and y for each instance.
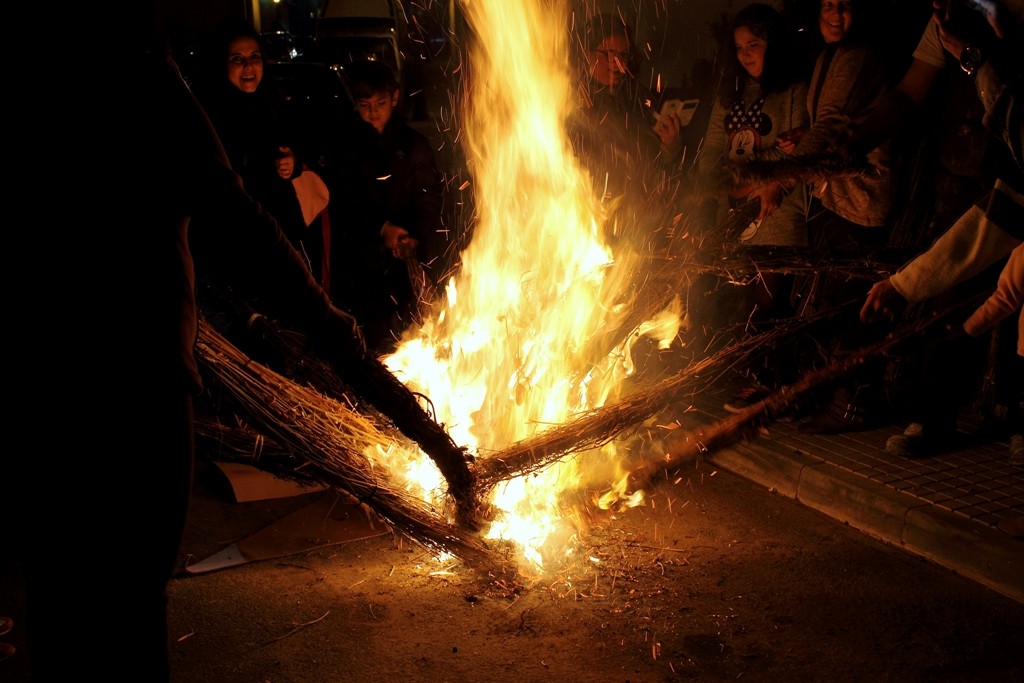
(390, 194)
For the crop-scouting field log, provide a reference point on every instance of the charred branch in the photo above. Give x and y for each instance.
(366, 384)
(600, 426)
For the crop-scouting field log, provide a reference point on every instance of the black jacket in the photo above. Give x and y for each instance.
(392, 176)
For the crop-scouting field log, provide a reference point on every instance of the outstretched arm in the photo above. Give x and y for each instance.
(988, 231)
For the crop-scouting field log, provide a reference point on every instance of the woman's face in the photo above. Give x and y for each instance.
(835, 19)
(245, 64)
(750, 51)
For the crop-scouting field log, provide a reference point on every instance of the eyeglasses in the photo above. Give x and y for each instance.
(242, 60)
(621, 55)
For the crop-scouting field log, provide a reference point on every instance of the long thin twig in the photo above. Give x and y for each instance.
(711, 437)
(297, 629)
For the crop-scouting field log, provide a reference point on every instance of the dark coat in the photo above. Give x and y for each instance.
(613, 135)
(392, 176)
(251, 126)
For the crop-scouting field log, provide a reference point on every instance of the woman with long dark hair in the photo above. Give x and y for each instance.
(264, 141)
(762, 99)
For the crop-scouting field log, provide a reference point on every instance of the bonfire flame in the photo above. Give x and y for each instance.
(512, 348)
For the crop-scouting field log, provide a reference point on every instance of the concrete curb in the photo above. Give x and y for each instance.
(970, 548)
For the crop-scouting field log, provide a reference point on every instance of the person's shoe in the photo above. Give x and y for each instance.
(1017, 449)
(747, 397)
(1000, 422)
(918, 442)
(906, 444)
(1013, 526)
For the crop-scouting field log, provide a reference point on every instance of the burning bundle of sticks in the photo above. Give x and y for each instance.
(315, 427)
(316, 437)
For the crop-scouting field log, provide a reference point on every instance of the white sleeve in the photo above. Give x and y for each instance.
(969, 247)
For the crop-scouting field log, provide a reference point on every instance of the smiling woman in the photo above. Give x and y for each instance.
(229, 87)
(270, 139)
(835, 19)
(245, 63)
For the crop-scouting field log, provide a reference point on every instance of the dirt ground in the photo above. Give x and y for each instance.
(713, 579)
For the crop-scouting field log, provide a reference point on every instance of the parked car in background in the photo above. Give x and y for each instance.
(353, 30)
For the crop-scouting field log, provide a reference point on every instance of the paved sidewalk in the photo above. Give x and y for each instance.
(962, 509)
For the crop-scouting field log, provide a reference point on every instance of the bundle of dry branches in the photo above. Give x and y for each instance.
(331, 439)
(369, 387)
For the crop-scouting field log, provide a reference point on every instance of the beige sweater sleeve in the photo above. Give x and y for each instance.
(1007, 299)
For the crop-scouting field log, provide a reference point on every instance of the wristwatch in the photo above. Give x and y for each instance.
(971, 59)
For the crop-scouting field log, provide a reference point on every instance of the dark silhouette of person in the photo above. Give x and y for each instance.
(106, 487)
(388, 193)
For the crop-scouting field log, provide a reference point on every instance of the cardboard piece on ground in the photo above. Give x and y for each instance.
(250, 483)
(328, 521)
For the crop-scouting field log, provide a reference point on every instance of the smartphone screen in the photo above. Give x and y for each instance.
(686, 111)
(684, 108)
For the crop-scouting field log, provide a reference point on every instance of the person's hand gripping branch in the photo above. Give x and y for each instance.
(883, 303)
(397, 240)
(667, 127)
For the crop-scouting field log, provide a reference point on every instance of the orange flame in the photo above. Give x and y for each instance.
(512, 348)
